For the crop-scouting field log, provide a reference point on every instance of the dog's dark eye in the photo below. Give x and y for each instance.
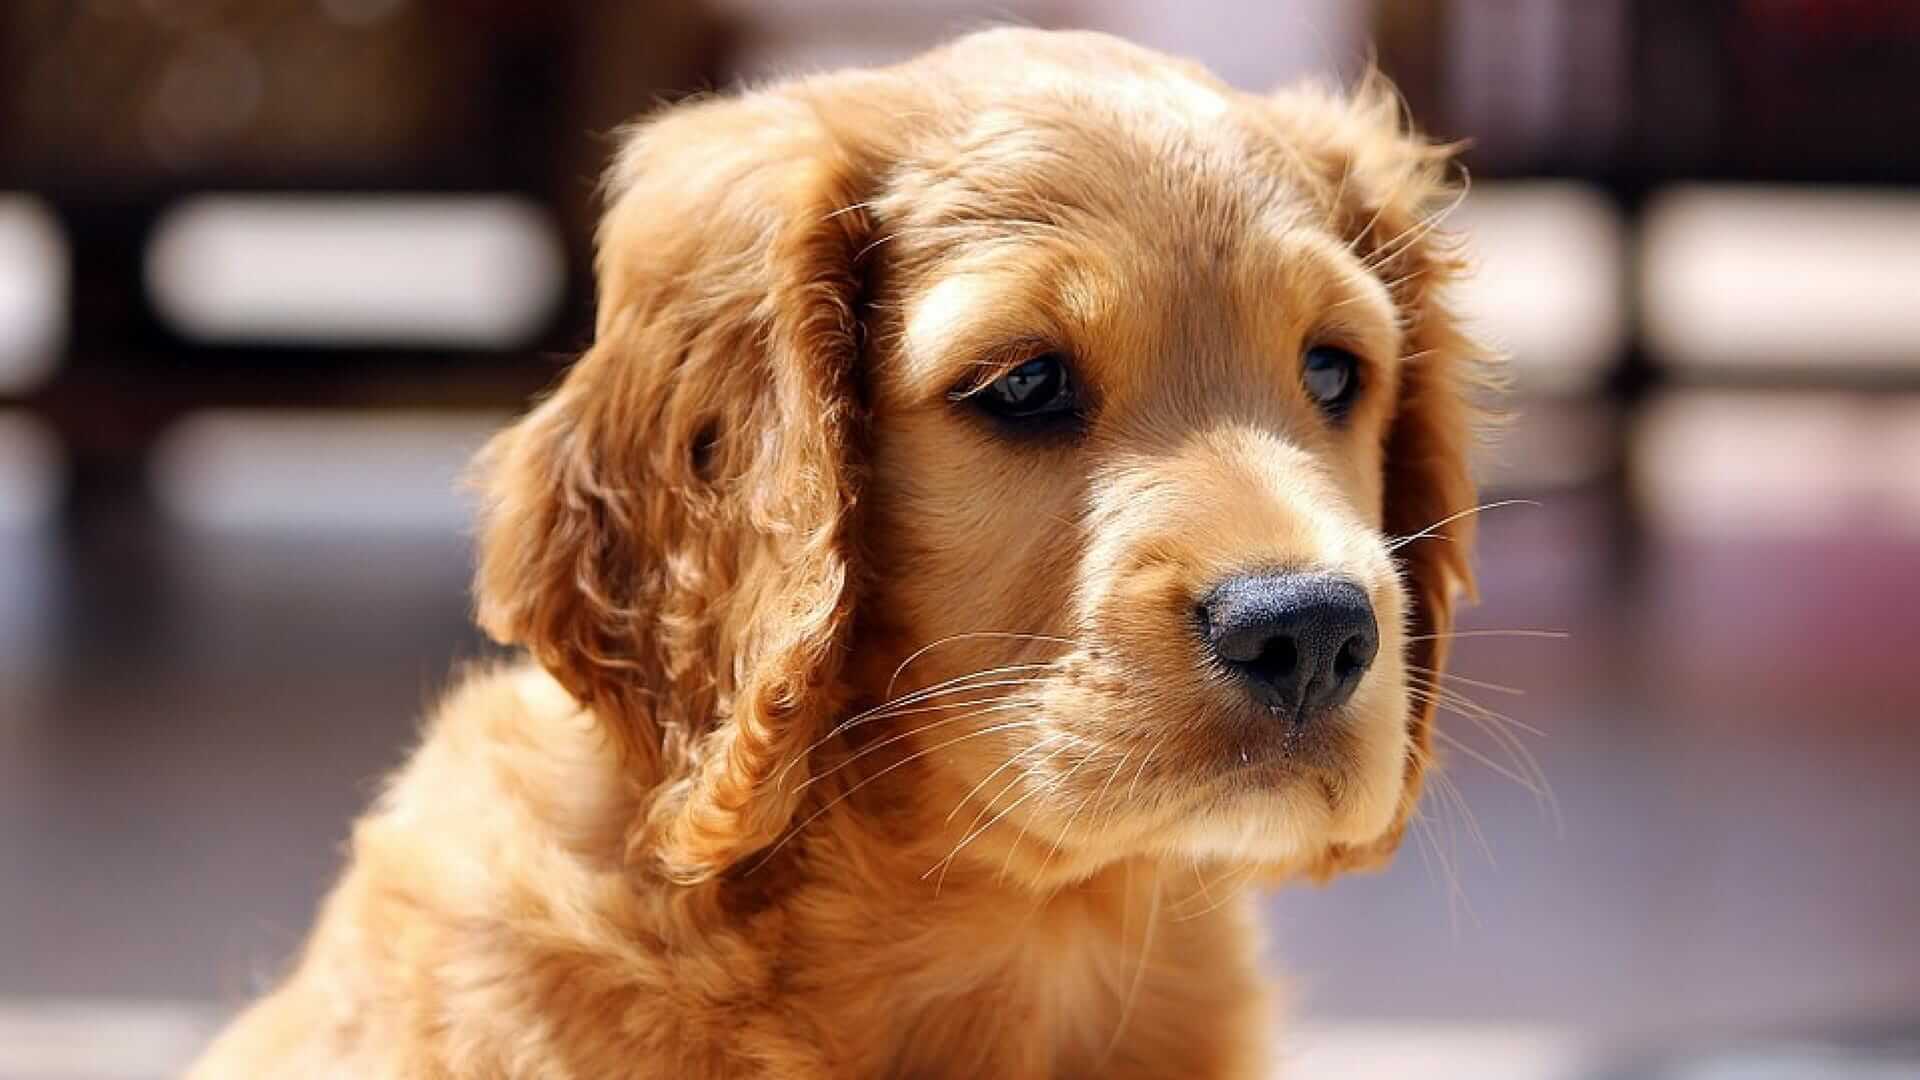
(1042, 387)
(1332, 378)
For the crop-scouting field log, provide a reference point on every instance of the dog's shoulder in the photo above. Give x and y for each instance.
(491, 863)
(507, 758)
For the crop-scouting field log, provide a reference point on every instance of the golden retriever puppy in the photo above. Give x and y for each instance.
(979, 544)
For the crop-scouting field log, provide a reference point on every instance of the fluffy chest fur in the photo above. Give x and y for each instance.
(465, 941)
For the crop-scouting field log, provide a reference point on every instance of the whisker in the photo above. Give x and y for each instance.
(976, 833)
(849, 793)
(949, 686)
(992, 706)
(1202, 882)
(1495, 687)
(1456, 893)
(1226, 897)
(946, 863)
(1133, 789)
(1007, 863)
(969, 636)
(1126, 909)
(1451, 792)
(1461, 702)
(1112, 776)
(1483, 759)
(1002, 767)
(1427, 532)
(1497, 726)
(860, 256)
(1457, 702)
(1421, 841)
(1139, 976)
(848, 209)
(1404, 278)
(1096, 798)
(1392, 248)
(1558, 635)
(1525, 760)
(1353, 245)
(1457, 698)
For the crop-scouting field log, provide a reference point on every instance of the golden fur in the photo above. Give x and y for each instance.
(686, 842)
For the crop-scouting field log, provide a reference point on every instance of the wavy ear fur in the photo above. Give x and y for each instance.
(1389, 192)
(669, 533)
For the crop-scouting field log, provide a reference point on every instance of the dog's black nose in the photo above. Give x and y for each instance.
(1301, 641)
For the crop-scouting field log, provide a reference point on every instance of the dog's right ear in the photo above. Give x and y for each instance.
(668, 533)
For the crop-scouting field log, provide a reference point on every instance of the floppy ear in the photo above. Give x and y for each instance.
(1389, 192)
(669, 532)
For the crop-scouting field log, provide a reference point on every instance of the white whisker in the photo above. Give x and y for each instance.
(1403, 541)
(1558, 635)
(847, 794)
(992, 706)
(1139, 976)
(955, 685)
(1007, 863)
(1495, 687)
(969, 636)
(1461, 747)
(971, 836)
(1392, 248)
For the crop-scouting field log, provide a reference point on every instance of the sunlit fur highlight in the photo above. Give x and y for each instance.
(857, 740)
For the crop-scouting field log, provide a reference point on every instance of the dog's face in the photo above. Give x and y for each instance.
(1128, 419)
(1053, 411)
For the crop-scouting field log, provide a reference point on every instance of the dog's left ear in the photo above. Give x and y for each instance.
(671, 532)
(1388, 192)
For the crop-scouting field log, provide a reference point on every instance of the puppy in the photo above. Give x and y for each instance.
(994, 528)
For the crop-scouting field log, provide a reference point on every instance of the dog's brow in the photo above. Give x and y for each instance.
(939, 317)
(1353, 300)
(970, 315)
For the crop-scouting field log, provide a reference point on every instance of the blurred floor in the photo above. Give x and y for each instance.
(190, 717)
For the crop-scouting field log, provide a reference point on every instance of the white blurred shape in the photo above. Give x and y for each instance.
(478, 271)
(1771, 278)
(33, 291)
(1721, 462)
(1393, 1051)
(32, 471)
(1546, 281)
(101, 1038)
(317, 471)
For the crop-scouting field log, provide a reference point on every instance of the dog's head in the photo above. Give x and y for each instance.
(1041, 419)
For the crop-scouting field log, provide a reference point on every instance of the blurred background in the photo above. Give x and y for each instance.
(271, 269)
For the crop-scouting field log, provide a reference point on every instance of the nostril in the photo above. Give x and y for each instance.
(1356, 655)
(1277, 660)
(1349, 663)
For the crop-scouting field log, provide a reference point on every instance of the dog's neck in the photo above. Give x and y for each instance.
(948, 950)
(913, 964)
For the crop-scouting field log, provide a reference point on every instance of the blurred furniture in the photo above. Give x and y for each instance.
(1639, 98)
(112, 113)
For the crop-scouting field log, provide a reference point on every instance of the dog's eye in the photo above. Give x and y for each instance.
(1042, 387)
(1332, 378)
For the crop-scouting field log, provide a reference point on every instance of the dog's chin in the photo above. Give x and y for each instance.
(1280, 812)
(1278, 828)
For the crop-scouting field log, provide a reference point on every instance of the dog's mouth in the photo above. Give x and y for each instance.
(1279, 786)
(1262, 742)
